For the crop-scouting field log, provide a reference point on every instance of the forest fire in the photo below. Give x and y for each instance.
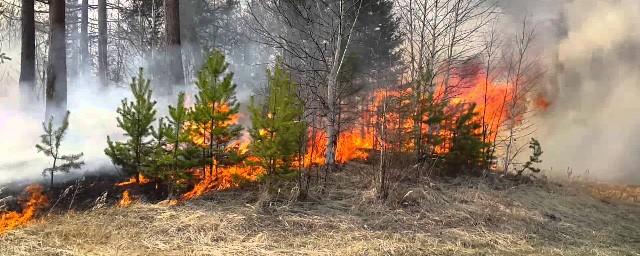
(491, 108)
(356, 141)
(36, 201)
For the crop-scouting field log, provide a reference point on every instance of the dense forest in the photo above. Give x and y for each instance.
(279, 95)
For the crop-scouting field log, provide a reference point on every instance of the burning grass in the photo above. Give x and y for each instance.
(35, 202)
(469, 216)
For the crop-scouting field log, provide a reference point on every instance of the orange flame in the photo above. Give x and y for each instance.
(357, 141)
(37, 201)
(132, 181)
(126, 199)
(542, 103)
(224, 178)
(199, 133)
(386, 106)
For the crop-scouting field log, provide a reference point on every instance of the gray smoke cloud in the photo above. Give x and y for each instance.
(591, 51)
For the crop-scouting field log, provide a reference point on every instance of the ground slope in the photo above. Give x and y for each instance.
(457, 217)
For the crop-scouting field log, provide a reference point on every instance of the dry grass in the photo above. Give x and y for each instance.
(470, 217)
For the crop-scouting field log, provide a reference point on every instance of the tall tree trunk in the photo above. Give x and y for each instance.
(102, 42)
(84, 37)
(189, 38)
(72, 21)
(174, 51)
(332, 124)
(56, 92)
(28, 54)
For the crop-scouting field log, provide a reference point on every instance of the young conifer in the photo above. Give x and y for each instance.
(534, 158)
(136, 118)
(466, 151)
(214, 112)
(277, 123)
(50, 146)
(174, 152)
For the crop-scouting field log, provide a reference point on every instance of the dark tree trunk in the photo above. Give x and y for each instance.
(84, 37)
(102, 42)
(72, 21)
(28, 54)
(174, 51)
(56, 92)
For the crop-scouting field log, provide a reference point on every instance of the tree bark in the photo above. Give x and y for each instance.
(84, 37)
(56, 90)
(102, 42)
(28, 54)
(189, 38)
(174, 51)
(332, 125)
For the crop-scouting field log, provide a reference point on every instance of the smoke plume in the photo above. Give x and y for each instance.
(592, 55)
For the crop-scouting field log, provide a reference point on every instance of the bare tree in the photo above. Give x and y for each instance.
(315, 37)
(440, 37)
(522, 75)
(490, 121)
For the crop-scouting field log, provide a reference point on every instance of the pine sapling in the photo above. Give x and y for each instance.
(536, 153)
(136, 118)
(277, 127)
(214, 111)
(50, 143)
(175, 151)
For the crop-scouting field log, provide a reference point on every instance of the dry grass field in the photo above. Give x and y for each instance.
(455, 217)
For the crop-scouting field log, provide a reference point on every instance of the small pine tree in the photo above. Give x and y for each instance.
(174, 151)
(277, 124)
(136, 118)
(466, 152)
(50, 146)
(214, 111)
(536, 153)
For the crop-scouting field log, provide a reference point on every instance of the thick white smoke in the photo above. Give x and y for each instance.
(592, 55)
(92, 119)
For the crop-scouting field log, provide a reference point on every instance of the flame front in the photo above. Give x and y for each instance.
(37, 201)
(388, 109)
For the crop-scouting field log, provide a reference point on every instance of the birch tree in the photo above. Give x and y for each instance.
(315, 39)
